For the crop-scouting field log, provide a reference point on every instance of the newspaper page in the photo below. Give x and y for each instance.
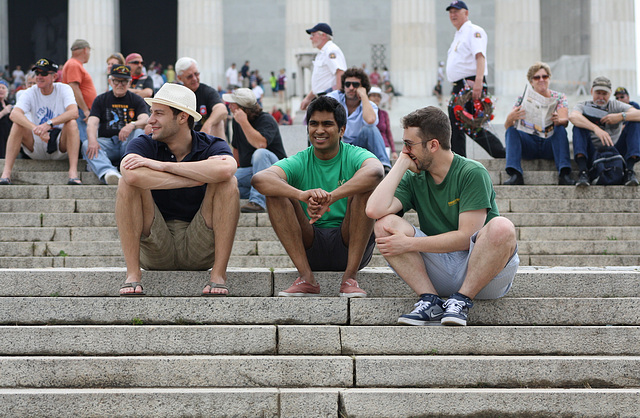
(539, 111)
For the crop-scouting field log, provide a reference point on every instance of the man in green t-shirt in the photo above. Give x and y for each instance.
(316, 202)
(467, 250)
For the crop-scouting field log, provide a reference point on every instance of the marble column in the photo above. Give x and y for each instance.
(200, 36)
(613, 46)
(4, 33)
(518, 44)
(300, 16)
(414, 63)
(97, 22)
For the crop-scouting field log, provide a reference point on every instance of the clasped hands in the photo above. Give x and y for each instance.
(318, 202)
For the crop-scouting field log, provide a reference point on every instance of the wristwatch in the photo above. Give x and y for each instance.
(624, 116)
(50, 123)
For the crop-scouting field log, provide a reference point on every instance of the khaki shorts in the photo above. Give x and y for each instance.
(177, 245)
(40, 150)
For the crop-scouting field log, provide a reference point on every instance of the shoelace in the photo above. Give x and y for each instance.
(456, 305)
(421, 306)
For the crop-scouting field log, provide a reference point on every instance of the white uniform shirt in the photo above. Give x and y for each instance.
(232, 76)
(40, 108)
(329, 60)
(469, 40)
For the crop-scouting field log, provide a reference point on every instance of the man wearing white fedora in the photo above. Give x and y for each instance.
(178, 197)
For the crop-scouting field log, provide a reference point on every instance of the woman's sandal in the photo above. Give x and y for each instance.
(74, 181)
(133, 285)
(216, 286)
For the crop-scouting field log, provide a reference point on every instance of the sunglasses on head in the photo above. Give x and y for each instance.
(42, 72)
(538, 77)
(355, 84)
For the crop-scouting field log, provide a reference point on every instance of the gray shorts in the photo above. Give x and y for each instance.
(177, 245)
(447, 271)
(328, 252)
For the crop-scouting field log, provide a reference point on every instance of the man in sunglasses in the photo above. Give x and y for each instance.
(76, 76)
(464, 249)
(140, 83)
(622, 95)
(362, 114)
(117, 116)
(53, 134)
(328, 65)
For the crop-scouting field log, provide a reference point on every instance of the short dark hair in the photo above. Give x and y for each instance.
(356, 72)
(190, 122)
(328, 104)
(431, 123)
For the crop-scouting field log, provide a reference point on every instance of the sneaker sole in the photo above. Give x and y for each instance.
(631, 184)
(416, 322)
(297, 295)
(453, 321)
(353, 295)
(112, 179)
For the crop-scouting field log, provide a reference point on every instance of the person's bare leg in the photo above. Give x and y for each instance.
(409, 266)
(356, 231)
(221, 211)
(17, 137)
(294, 236)
(495, 244)
(134, 216)
(70, 143)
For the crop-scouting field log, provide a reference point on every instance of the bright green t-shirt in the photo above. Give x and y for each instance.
(305, 171)
(467, 186)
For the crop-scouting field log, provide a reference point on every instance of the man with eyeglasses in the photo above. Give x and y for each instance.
(328, 65)
(467, 67)
(622, 95)
(464, 249)
(362, 114)
(53, 134)
(117, 116)
(140, 83)
(208, 101)
(75, 75)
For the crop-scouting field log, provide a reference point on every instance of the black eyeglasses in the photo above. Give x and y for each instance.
(538, 77)
(42, 73)
(355, 84)
(122, 81)
(136, 62)
(620, 96)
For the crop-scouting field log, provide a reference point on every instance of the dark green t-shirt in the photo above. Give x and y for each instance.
(467, 186)
(305, 171)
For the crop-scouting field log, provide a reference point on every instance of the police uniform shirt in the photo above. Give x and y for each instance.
(329, 60)
(469, 40)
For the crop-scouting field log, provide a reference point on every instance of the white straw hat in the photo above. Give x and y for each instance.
(178, 97)
(377, 90)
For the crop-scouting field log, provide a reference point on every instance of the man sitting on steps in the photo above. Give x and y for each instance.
(177, 200)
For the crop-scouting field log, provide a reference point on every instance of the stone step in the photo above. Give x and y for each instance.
(378, 282)
(574, 219)
(308, 311)
(187, 340)
(611, 233)
(319, 371)
(51, 177)
(27, 165)
(319, 402)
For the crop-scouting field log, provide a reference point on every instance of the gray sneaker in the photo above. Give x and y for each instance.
(456, 310)
(428, 311)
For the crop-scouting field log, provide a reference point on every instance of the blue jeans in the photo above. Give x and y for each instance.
(371, 139)
(523, 145)
(628, 145)
(261, 159)
(82, 126)
(110, 153)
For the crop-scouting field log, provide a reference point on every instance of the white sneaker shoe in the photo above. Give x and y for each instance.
(112, 177)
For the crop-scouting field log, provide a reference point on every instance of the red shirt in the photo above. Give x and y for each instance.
(74, 72)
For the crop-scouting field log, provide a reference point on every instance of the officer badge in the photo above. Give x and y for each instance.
(332, 55)
(478, 35)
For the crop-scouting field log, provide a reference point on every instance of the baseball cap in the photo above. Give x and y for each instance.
(134, 56)
(601, 83)
(80, 44)
(46, 65)
(176, 96)
(321, 27)
(120, 71)
(243, 97)
(457, 5)
(622, 90)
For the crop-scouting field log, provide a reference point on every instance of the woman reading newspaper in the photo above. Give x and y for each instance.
(536, 127)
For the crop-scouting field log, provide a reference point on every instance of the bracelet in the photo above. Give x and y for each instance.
(624, 116)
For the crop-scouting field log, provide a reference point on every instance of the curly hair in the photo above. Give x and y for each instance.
(537, 67)
(359, 73)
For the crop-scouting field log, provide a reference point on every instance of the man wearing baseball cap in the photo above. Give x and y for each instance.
(53, 134)
(328, 65)
(256, 144)
(140, 83)
(177, 205)
(622, 94)
(591, 133)
(117, 116)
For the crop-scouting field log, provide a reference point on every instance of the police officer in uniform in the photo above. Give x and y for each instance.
(328, 65)
(466, 63)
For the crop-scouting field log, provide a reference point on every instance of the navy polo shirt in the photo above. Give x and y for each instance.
(184, 203)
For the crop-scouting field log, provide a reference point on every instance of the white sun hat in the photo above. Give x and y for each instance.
(176, 96)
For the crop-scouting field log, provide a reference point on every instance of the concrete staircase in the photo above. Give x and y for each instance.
(564, 342)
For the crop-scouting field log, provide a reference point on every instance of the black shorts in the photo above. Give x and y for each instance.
(328, 252)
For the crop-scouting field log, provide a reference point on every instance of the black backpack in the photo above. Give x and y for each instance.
(608, 167)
